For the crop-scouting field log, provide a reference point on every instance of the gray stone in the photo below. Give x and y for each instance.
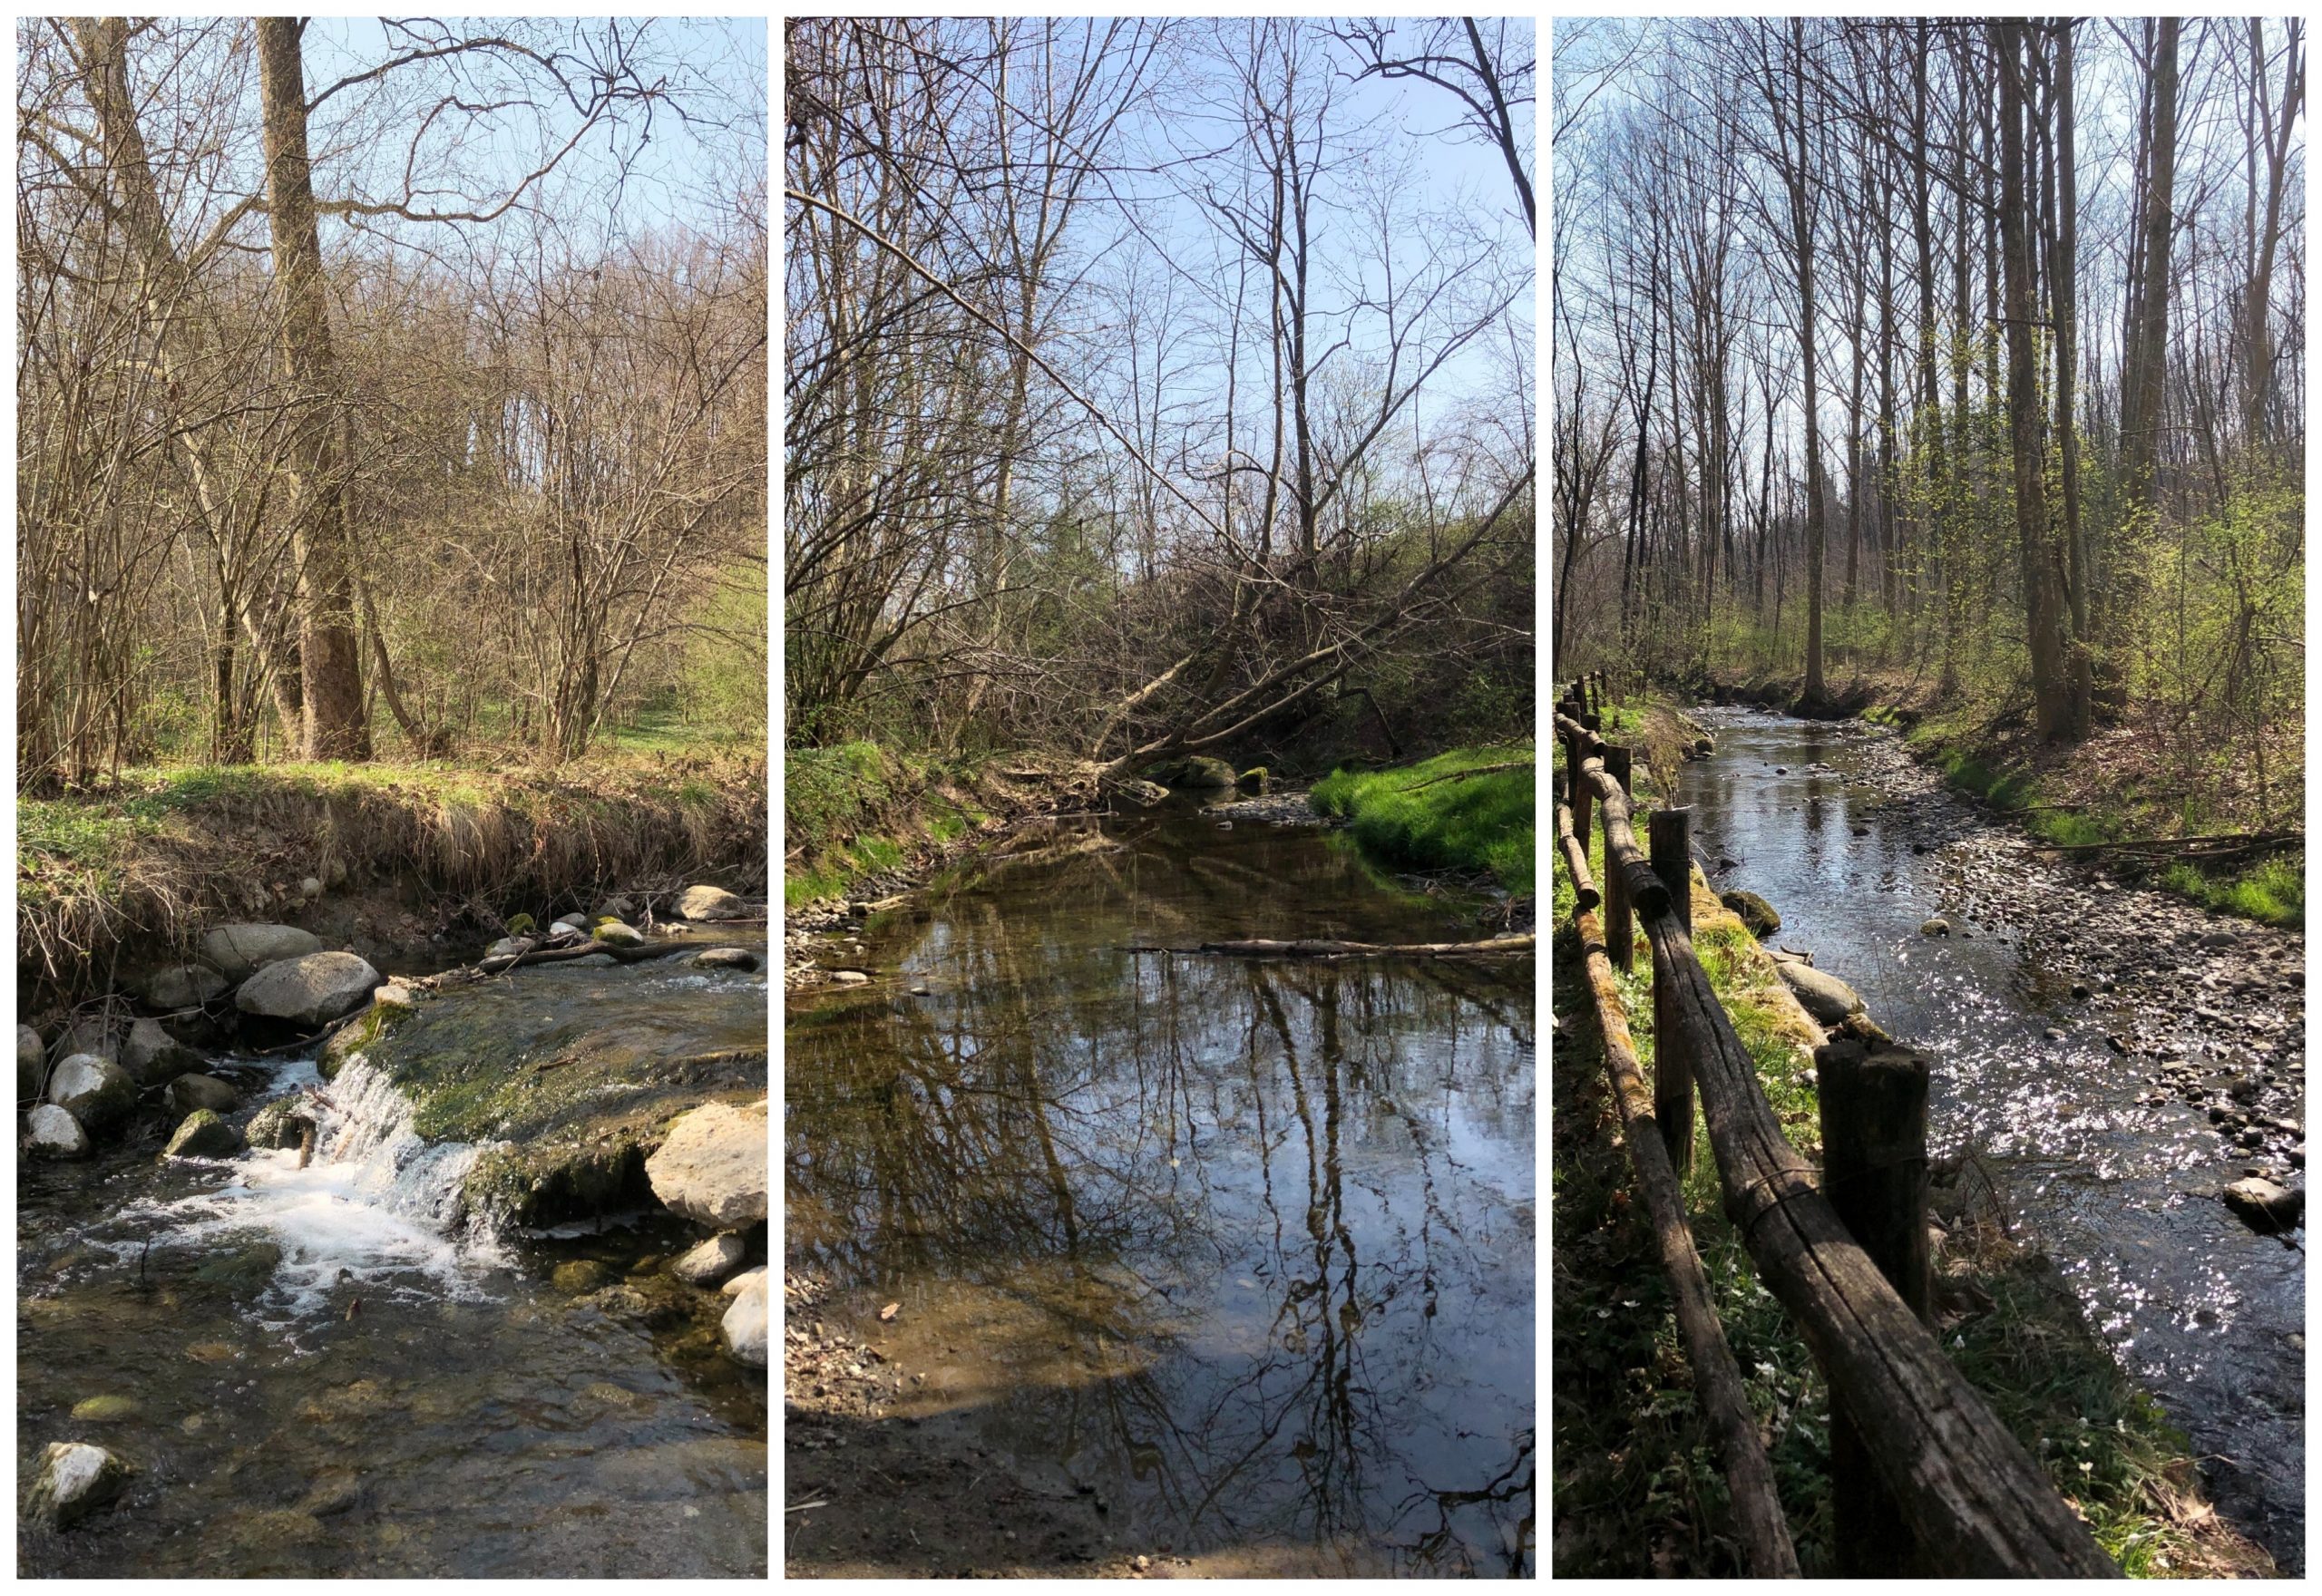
(710, 1262)
(52, 1133)
(614, 908)
(1753, 911)
(849, 977)
(239, 952)
(203, 1135)
(280, 1124)
(312, 989)
(311, 889)
(576, 921)
(707, 902)
(151, 1056)
(189, 1092)
(1825, 997)
(94, 1091)
(2264, 1206)
(32, 1062)
(74, 1480)
(744, 1324)
(712, 1166)
(726, 959)
(1935, 926)
(184, 986)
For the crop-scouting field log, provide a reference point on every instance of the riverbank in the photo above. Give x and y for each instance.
(1638, 1491)
(399, 864)
(1469, 809)
(2141, 777)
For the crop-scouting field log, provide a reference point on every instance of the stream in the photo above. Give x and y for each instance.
(337, 1371)
(2084, 1034)
(1233, 1257)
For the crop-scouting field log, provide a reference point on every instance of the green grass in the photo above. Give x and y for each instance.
(1412, 818)
(856, 809)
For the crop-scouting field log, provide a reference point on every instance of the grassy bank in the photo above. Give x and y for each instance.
(147, 864)
(1638, 1491)
(858, 811)
(1434, 816)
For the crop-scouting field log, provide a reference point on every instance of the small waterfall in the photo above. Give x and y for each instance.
(376, 1209)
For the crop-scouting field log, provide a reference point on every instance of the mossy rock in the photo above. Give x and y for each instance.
(1197, 770)
(1753, 911)
(547, 1183)
(359, 1036)
(202, 1135)
(1253, 780)
(109, 1409)
(279, 1123)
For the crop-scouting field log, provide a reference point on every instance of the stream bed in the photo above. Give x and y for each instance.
(337, 1371)
(2112, 1054)
(1226, 1257)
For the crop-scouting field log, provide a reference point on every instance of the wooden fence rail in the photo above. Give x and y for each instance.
(1972, 1500)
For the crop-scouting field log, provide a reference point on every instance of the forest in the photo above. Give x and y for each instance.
(1949, 363)
(1158, 387)
(385, 390)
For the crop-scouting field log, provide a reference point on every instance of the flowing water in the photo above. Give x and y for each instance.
(2116, 1183)
(1240, 1250)
(339, 1371)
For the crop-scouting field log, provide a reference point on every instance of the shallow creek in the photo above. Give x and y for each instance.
(1236, 1255)
(338, 1371)
(2089, 1111)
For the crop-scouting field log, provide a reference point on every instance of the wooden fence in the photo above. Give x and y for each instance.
(1925, 1479)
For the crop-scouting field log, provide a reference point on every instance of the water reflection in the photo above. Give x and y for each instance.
(1245, 1247)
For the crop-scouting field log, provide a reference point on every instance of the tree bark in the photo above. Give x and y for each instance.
(321, 544)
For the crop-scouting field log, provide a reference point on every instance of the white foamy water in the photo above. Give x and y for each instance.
(378, 1208)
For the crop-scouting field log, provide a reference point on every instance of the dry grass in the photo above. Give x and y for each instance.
(146, 865)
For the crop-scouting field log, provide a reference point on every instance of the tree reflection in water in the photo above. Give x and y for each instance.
(1247, 1246)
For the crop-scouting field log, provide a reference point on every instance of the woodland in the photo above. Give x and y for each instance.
(1158, 387)
(386, 390)
(1949, 363)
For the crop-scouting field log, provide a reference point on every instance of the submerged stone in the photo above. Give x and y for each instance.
(73, 1480)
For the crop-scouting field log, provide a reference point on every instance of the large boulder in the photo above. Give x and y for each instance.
(92, 1090)
(52, 1133)
(189, 1092)
(74, 1480)
(203, 1135)
(712, 1167)
(184, 986)
(707, 902)
(153, 1055)
(710, 1262)
(239, 952)
(32, 1062)
(311, 989)
(744, 1322)
(1825, 997)
(1753, 911)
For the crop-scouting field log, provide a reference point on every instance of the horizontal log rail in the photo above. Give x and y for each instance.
(1974, 1500)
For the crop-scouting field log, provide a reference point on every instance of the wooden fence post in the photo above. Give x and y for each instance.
(1670, 832)
(1875, 1174)
(1583, 795)
(1620, 932)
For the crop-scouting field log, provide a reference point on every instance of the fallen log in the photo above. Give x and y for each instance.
(508, 961)
(1323, 947)
(1766, 1549)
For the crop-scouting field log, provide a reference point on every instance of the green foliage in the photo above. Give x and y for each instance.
(1415, 818)
(722, 677)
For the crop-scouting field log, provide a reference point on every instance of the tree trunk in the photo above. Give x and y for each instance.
(321, 546)
(2141, 383)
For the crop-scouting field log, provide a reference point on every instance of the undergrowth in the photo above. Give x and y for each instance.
(856, 809)
(1430, 816)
